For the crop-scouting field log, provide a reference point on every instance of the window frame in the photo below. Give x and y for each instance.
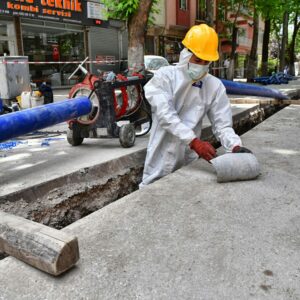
(183, 5)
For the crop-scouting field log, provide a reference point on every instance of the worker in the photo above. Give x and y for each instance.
(180, 96)
(226, 65)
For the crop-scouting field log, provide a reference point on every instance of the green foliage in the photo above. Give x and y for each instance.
(66, 46)
(272, 66)
(154, 11)
(201, 4)
(240, 61)
(124, 9)
(297, 45)
(121, 9)
(270, 9)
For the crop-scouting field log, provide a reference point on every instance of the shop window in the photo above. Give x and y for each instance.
(4, 48)
(7, 39)
(149, 45)
(183, 4)
(50, 46)
(172, 49)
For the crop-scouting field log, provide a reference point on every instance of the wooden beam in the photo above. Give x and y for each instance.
(263, 101)
(40, 246)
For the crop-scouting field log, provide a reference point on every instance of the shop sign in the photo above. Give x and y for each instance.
(96, 11)
(70, 11)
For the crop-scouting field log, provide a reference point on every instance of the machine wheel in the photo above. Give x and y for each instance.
(142, 128)
(73, 136)
(127, 135)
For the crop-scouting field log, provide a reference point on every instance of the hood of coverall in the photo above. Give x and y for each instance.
(184, 57)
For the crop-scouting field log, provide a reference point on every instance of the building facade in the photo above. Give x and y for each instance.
(173, 21)
(56, 34)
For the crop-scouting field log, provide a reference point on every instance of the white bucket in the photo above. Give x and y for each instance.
(37, 101)
(31, 99)
(25, 100)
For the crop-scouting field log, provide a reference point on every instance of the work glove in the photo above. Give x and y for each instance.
(240, 149)
(203, 149)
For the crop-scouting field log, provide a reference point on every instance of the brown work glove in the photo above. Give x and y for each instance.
(240, 149)
(203, 149)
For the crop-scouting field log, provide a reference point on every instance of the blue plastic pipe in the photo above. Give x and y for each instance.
(237, 88)
(22, 122)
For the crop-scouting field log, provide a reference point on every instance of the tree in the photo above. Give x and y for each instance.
(286, 49)
(136, 14)
(237, 8)
(265, 47)
(234, 7)
(268, 10)
(292, 44)
(276, 14)
(209, 12)
(284, 40)
(252, 61)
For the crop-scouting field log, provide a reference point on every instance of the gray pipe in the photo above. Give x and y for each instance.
(236, 166)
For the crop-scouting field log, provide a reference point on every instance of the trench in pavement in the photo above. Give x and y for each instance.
(66, 200)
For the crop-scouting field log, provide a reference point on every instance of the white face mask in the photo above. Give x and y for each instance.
(196, 71)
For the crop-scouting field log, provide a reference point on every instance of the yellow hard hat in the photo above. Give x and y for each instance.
(202, 40)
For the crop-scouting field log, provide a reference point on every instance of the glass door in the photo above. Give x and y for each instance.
(7, 38)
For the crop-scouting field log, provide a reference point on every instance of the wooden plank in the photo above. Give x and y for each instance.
(292, 102)
(40, 246)
(263, 101)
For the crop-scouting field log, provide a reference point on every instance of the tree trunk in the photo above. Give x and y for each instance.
(291, 48)
(284, 41)
(17, 24)
(209, 13)
(265, 48)
(252, 62)
(137, 27)
(233, 54)
(233, 44)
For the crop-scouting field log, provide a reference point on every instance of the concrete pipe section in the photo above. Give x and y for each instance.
(236, 166)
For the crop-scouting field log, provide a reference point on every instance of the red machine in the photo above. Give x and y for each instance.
(129, 116)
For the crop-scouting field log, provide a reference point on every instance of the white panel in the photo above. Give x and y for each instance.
(104, 42)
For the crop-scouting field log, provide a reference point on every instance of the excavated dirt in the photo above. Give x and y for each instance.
(63, 206)
(245, 121)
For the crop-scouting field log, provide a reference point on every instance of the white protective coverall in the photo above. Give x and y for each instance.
(178, 109)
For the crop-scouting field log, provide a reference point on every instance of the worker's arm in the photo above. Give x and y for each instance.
(158, 92)
(220, 116)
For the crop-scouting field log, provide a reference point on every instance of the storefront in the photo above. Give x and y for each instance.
(172, 48)
(53, 47)
(170, 44)
(8, 43)
(163, 42)
(55, 35)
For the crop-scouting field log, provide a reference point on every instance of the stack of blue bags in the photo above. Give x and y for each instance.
(275, 78)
